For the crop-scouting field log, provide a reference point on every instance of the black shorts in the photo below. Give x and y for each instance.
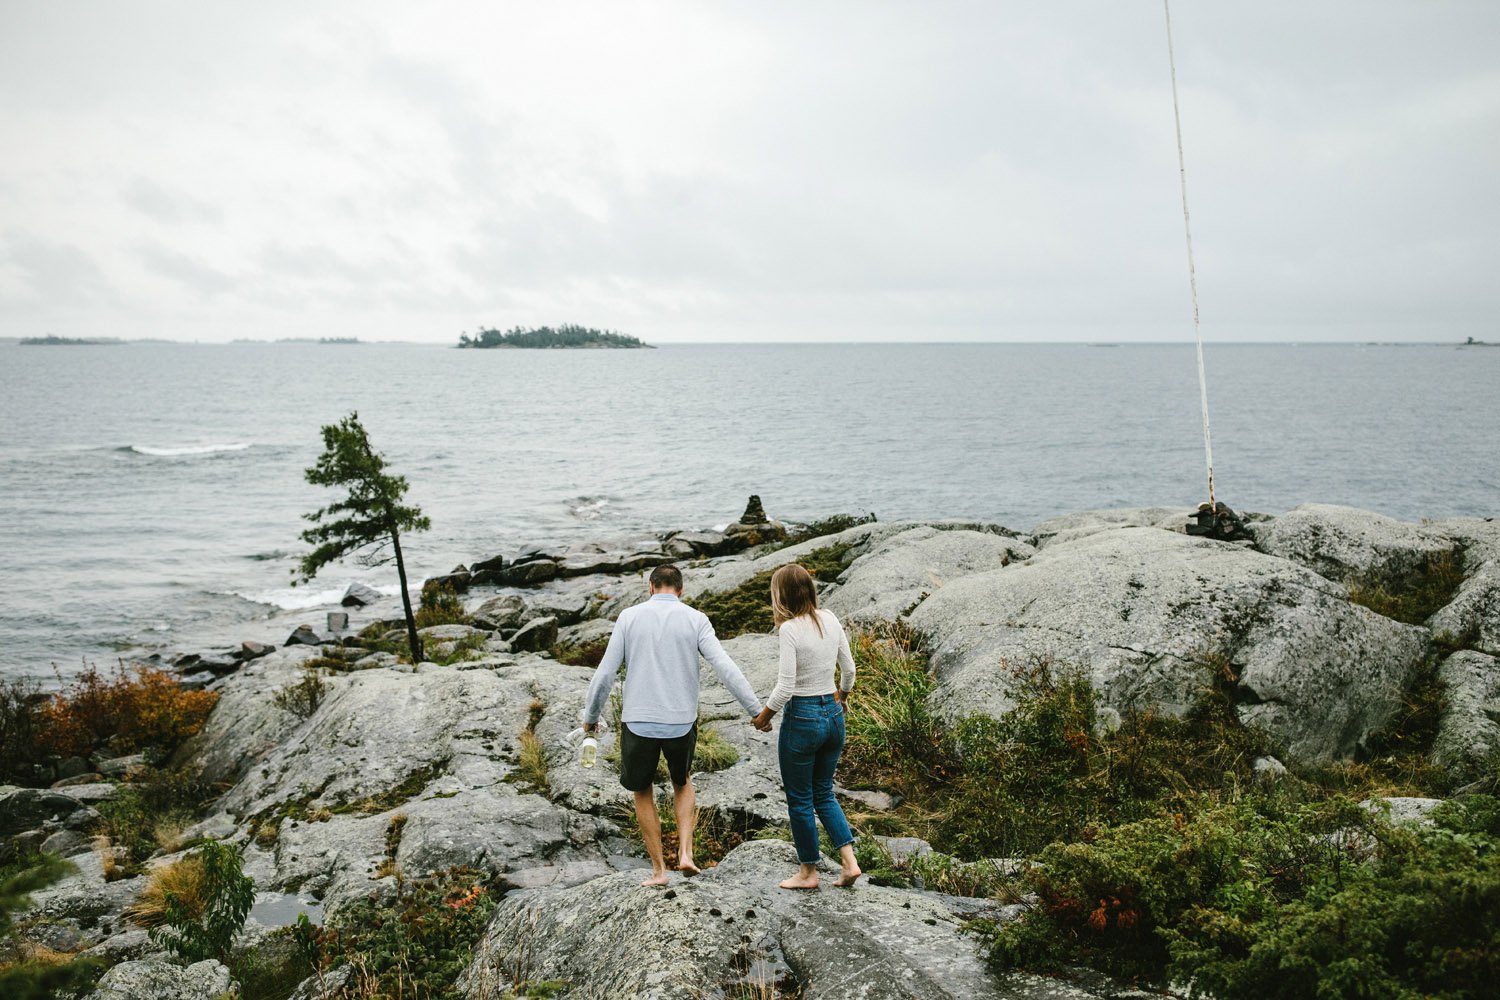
(639, 754)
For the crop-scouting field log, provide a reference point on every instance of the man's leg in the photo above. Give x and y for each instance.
(685, 804)
(650, 824)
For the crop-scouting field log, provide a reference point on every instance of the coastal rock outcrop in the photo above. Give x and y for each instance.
(160, 980)
(1143, 610)
(1343, 543)
(896, 575)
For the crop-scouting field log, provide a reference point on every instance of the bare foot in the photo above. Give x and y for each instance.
(657, 878)
(848, 877)
(798, 882)
(687, 867)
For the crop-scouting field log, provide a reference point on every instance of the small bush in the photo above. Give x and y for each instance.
(138, 709)
(415, 944)
(303, 697)
(938, 872)
(146, 810)
(713, 752)
(441, 606)
(205, 904)
(893, 738)
(587, 655)
(1257, 901)
(1416, 597)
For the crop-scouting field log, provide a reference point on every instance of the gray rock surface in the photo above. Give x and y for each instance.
(26, 808)
(1343, 542)
(1071, 527)
(535, 636)
(159, 980)
(1468, 739)
(500, 614)
(903, 570)
(625, 940)
(357, 595)
(1138, 609)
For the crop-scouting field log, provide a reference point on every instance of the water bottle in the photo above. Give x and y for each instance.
(588, 753)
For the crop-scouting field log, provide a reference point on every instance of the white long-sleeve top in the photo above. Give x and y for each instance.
(808, 659)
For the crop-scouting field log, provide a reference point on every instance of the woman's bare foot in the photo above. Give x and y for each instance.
(800, 882)
(656, 879)
(848, 877)
(686, 866)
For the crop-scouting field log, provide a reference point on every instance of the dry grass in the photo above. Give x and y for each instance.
(531, 762)
(183, 879)
(713, 752)
(169, 832)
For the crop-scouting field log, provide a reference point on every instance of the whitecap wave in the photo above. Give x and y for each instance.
(588, 508)
(303, 598)
(195, 449)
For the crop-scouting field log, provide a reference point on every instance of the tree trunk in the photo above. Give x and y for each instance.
(411, 621)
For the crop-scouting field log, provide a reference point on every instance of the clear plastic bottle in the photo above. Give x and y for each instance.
(588, 752)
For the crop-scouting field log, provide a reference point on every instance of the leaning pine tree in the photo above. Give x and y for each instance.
(369, 521)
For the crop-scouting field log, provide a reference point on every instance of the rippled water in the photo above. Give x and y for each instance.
(152, 492)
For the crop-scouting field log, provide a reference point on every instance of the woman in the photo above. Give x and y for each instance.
(812, 731)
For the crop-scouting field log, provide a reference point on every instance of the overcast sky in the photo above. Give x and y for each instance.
(748, 171)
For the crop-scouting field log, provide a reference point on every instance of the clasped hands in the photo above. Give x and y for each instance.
(763, 720)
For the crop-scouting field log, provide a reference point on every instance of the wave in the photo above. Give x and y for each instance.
(197, 449)
(588, 508)
(304, 599)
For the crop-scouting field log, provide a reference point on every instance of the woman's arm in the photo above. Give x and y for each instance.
(786, 673)
(846, 662)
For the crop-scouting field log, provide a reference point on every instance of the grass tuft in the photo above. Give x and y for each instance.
(1417, 596)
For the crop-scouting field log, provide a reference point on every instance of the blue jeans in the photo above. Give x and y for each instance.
(812, 737)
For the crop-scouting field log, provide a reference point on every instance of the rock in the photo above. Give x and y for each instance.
(23, 809)
(1342, 542)
(197, 681)
(132, 943)
(1407, 810)
(358, 595)
(72, 767)
(625, 940)
(894, 577)
(252, 650)
(535, 636)
(219, 826)
(306, 635)
(217, 664)
(446, 633)
(567, 609)
(529, 574)
(588, 633)
(97, 790)
(78, 779)
(705, 543)
(1139, 608)
(67, 843)
(754, 513)
(376, 660)
(1267, 771)
(121, 767)
(557, 876)
(324, 986)
(86, 896)
(161, 980)
(1468, 739)
(500, 614)
(878, 801)
(902, 848)
(1071, 527)
(457, 581)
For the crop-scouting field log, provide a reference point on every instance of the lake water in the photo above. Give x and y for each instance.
(153, 492)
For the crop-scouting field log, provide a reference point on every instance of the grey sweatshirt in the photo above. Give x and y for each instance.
(659, 642)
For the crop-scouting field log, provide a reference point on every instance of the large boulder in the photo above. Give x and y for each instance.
(1140, 609)
(1472, 618)
(902, 571)
(535, 636)
(357, 595)
(161, 980)
(1341, 543)
(24, 809)
(500, 614)
(1071, 527)
(622, 939)
(1468, 740)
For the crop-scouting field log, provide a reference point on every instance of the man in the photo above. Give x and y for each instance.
(659, 642)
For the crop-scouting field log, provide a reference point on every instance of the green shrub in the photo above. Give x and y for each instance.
(202, 925)
(893, 738)
(1259, 901)
(441, 606)
(36, 974)
(303, 697)
(937, 872)
(21, 749)
(157, 799)
(416, 943)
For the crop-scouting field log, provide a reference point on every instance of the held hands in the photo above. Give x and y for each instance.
(763, 720)
(842, 697)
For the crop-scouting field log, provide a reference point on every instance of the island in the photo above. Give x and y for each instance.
(52, 340)
(569, 335)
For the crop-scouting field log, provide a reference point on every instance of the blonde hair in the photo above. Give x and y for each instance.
(794, 594)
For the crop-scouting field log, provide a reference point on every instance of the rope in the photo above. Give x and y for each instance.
(1187, 231)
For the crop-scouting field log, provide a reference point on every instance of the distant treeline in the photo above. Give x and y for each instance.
(567, 335)
(52, 340)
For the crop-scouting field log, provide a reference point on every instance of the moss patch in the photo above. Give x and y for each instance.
(747, 608)
(1415, 597)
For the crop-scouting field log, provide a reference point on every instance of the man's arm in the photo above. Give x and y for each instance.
(604, 678)
(728, 672)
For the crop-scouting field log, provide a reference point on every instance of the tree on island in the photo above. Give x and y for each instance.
(369, 521)
(567, 335)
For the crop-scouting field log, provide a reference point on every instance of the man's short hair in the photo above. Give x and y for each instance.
(667, 576)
